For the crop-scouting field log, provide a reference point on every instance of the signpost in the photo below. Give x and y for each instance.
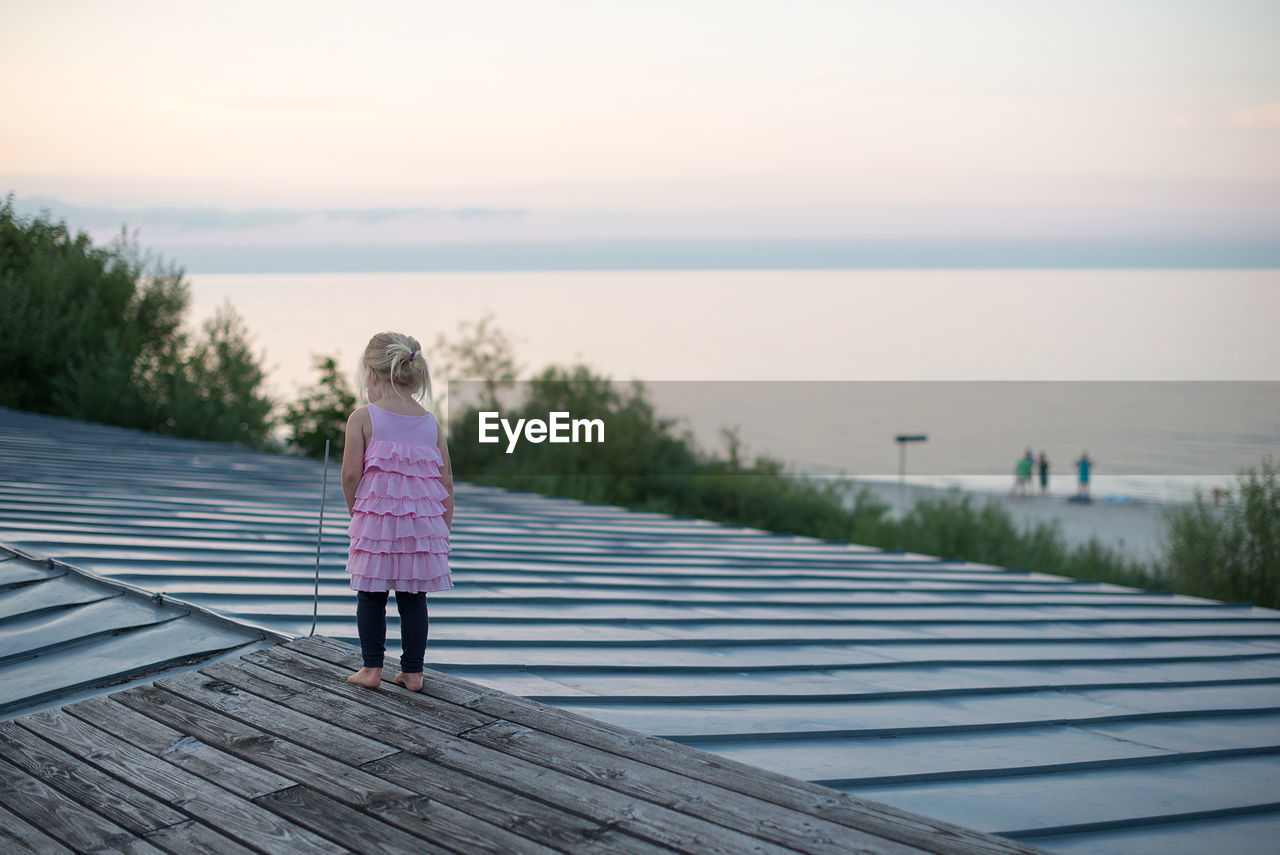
(902, 439)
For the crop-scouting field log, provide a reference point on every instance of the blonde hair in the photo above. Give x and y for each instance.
(398, 359)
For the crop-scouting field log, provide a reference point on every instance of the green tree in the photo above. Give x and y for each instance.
(479, 352)
(321, 412)
(97, 334)
(77, 319)
(216, 392)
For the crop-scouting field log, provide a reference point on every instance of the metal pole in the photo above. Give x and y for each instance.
(902, 439)
(324, 492)
(902, 477)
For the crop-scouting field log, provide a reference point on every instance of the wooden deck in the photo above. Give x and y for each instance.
(276, 753)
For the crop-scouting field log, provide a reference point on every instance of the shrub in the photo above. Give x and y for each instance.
(1232, 551)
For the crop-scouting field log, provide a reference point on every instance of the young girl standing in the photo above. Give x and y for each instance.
(399, 489)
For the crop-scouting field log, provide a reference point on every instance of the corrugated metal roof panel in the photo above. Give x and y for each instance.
(1078, 716)
(65, 635)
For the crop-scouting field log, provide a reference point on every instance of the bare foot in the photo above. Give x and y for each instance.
(370, 678)
(412, 682)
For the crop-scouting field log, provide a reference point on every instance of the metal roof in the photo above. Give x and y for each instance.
(1081, 717)
(67, 635)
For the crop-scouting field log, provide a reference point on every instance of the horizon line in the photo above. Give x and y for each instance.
(586, 255)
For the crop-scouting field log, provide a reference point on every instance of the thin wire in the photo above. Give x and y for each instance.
(324, 493)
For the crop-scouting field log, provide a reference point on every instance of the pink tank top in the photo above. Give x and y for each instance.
(408, 430)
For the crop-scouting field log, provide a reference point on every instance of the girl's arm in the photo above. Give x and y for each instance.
(446, 477)
(359, 427)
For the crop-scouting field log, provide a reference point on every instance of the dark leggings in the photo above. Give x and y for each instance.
(371, 619)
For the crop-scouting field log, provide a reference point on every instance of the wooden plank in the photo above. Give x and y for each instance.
(250, 741)
(19, 836)
(359, 831)
(195, 838)
(244, 779)
(205, 800)
(338, 743)
(821, 802)
(344, 826)
(730, 809)
(463, 831)
(596, 801)
(377, 723)
(542, 822)
(62, 819)
(107, 796)
(485, 802)
(654, 823)
(443, 716)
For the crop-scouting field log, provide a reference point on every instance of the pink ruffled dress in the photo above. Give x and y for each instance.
(399, 540)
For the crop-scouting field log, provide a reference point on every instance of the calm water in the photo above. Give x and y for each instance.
(821, 337)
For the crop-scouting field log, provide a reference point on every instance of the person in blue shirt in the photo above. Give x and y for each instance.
(1084, 465)
(1022, 474)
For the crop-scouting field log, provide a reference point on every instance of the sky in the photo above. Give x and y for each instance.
(407, 123)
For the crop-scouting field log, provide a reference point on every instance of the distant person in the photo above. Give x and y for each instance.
(1084, 466)
(1022, 474)
(398, 485)
(1042, 465)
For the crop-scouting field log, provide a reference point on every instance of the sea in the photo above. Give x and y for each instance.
(1169, 380)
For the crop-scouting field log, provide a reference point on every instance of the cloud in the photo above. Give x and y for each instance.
(1266, 116)
(201, 219)
(375, 216)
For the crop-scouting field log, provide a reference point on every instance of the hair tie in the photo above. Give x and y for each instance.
(412, 353)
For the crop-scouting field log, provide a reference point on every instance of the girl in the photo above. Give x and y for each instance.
(399, 489)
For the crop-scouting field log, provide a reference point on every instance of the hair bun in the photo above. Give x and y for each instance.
(398, 358)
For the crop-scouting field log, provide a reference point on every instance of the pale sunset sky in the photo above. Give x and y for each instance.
(683, 190)
(399, 122)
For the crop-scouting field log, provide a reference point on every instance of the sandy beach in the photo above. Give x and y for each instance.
(1137, 527)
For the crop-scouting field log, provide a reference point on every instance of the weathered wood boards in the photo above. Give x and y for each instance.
(276, 753)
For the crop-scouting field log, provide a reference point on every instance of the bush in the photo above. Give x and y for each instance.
(1232, 551)
(954, 526)
(641, 459)
(646, 463)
